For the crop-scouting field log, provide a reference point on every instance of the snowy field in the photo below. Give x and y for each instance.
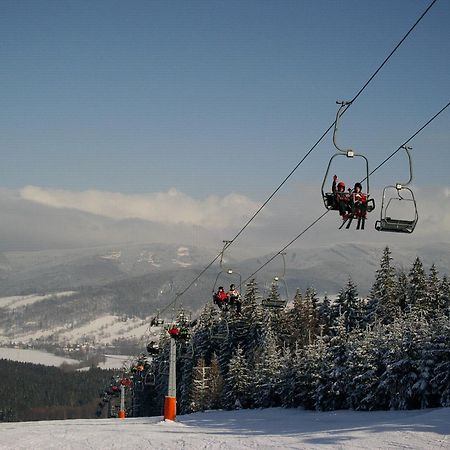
(49, 359)
(262, 429)
(34, 356)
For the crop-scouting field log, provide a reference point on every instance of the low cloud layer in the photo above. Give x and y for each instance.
(172, 207)
(35, 218)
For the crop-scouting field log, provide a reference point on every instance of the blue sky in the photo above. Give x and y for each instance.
(212, 98)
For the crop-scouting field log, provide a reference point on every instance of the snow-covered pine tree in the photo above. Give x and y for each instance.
(294, 319)
(444, 297)
(417, 295)
(216, 385)
(324, 315)
(433, 290)
(286, 387)
(332, 388)
(237, 382)
(200, 386)
(252, 315)
(402, 289)
(440, 380)
(348, 305)
(308, 363)
(310, 314)
(362, 369)
(402, 362)
(267, 373)
(383, 304)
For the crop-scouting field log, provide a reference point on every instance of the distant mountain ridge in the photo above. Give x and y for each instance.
(110, 291)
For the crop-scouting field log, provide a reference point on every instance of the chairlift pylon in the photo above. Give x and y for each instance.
(392, 224)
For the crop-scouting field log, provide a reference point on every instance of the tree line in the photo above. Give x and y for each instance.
(37, 392)
(388, 351)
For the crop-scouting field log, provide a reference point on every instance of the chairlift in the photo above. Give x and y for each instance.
(187, 351)
(220, 331)
(393, 197)
(280, 302)
(156, 321)
(226, 276)
(153, 348)
(329, 198)
(150, 378)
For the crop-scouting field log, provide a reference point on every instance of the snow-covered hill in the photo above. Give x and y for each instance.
(109, 294)
(246, 429)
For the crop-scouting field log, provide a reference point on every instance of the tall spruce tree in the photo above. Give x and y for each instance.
(383, 304)
(417, 295)
(267, 373)
(331, 391)
(237, 381)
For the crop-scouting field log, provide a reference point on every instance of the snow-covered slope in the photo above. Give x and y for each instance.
(262, 429)
(34, 356)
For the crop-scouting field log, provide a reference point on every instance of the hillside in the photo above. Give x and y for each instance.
(103, 298)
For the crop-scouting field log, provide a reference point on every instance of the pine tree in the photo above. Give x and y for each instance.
(308, 363)
(383, 303)
(310, 313)
(349, 306)
(365, 366)
(200, 386)
(331, 391)
(237, 381)
(286, 388)
(267, 373)
(216, 385)
(417, 295)
(252, 316)
(324, 313)
(401, 291)
(444, 297)
(295, 321)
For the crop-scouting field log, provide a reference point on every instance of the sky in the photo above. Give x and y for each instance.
(174, 121)
(271, 428)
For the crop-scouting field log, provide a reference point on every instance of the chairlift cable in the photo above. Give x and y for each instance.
(361, 90)
(326, 212)
(411, 138)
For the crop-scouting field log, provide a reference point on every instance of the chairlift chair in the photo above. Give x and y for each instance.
(281, 302)
(220, 331)
(226, 274)
(392, 196)
(329, 198)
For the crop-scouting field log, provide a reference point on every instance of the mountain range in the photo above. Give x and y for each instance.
(107, 294)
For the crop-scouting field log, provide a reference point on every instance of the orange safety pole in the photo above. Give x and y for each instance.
(122, 402)
(170, 408)
(170, 402)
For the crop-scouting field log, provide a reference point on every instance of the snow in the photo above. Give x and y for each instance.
(246, 429)
(101, 330)
(34, 356)
(18, 301)
(115, 362)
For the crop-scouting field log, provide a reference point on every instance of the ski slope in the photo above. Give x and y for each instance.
(274, 428)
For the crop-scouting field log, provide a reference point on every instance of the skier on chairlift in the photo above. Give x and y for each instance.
(342, 198)
(221, 298)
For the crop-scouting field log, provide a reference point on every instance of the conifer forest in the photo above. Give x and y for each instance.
(389, 351)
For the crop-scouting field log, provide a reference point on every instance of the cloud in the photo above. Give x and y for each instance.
(172, 207)
(35, 218)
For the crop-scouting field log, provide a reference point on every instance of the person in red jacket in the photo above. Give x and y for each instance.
(342, 198)
(359, 201)
(221, 297)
